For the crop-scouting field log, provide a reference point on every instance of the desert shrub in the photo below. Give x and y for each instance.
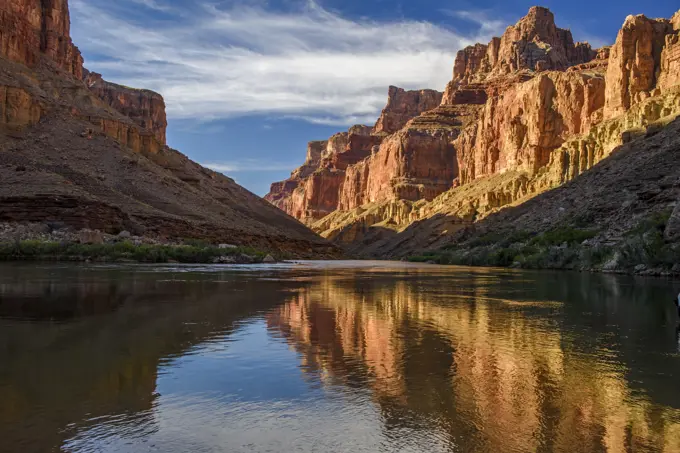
(644, 244)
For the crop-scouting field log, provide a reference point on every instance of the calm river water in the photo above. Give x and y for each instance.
(335, 357)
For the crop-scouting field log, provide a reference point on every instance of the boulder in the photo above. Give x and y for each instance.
(269, 259)
(90, 237)
(227, 259)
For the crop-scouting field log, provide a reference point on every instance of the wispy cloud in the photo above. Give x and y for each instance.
(488, 25)
(308, 62)
(153, 4)
(249, 165)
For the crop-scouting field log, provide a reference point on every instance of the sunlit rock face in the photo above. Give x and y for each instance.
(635, 62)
(314, 189)
(402, 106)
(534, 43)
(29, 28)
(532, 109)
(522, 126)
(338, 172)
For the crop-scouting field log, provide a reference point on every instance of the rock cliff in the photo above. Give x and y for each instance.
(535, 43)
(313, 190)
(81, 152)
(527, 112)
(144, 107)
(635, 62)
(398, 158)
(31, 28)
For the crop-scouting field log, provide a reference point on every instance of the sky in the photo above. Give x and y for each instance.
(248, 83)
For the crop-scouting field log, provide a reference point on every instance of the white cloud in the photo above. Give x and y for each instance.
(249, 165)
(309, 63)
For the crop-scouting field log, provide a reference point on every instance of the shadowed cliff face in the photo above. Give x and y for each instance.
(523, 114)
(81, 151)
(144, 107)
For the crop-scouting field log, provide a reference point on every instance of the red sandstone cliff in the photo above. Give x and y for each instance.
(532, 109)
(31, 28)
(419, 159)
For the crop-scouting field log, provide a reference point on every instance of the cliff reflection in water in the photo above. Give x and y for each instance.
(554, 364)
(362, 358)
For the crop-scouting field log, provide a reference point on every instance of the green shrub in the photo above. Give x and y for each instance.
(558, 236)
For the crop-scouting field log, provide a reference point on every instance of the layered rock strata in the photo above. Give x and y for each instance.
(144, 107)
(526, 113)
(403, 105)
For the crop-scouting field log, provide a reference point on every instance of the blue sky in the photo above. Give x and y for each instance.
(248, 83)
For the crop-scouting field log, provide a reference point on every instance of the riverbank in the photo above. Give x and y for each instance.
(642, 251)
(44, 242)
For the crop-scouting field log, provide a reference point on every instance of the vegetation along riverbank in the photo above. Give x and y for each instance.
(43, 242)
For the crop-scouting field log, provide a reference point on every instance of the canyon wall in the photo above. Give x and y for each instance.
(337, 171)
(404, 105)
(37, 32)
(530, 110)
(82, 152)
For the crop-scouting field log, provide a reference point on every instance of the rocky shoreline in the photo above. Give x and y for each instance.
(55, 242)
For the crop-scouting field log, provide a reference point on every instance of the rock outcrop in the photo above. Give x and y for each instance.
(521, 127)
(402, 106)
(144, 107)
(86, 153)
(635, 62)
(17, 109)
(31, 28)
(535, 43)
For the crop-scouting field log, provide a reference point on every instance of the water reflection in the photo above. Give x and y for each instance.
(547, 371)
(330, 359)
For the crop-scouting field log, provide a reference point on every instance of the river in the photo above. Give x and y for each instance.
(335, 357)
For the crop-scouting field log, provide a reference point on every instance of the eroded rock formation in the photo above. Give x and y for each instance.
(524, 113)
(635, 61)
